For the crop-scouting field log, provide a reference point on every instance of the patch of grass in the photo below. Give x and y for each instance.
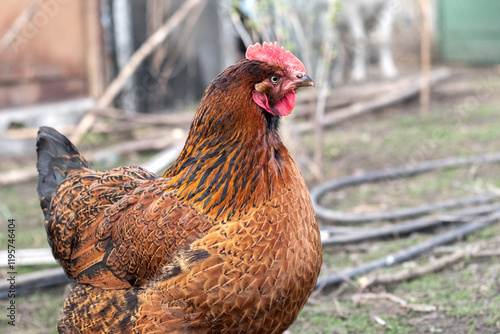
(21, 270)
(37, 312)
(325, 319)
(347, 317)
(457, 293)
(31, 237)
(485, 233)
(20, 202)
(493, 317)
(316, 316)
(398, 326)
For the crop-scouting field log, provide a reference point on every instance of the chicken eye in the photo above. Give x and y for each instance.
(275, 79)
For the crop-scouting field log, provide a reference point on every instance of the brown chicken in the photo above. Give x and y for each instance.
(226, 241)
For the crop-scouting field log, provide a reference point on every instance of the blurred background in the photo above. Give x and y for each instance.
(399, 83)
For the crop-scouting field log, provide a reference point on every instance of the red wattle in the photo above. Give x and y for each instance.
(284, 107)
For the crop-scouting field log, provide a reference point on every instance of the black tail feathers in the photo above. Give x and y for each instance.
(57, 156)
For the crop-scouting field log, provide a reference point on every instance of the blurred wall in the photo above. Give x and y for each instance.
(49, 58)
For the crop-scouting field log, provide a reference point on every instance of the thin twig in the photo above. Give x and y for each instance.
(408, 274)
(359, 297)
(240, 29)
(180, 44)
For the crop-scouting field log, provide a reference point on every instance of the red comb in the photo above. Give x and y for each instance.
(273, 53)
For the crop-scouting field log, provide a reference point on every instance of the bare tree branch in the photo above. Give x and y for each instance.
(144, 51)
(359, 297)
(19, 24)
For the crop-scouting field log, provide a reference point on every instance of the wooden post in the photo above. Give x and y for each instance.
(94, 56)
(124, 45)
(425, 56)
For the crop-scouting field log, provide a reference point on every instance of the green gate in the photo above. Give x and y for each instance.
(469, 30)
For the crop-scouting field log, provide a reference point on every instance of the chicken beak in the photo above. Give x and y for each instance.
(304, 81)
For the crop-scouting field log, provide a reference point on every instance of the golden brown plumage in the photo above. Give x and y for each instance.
(225, 242)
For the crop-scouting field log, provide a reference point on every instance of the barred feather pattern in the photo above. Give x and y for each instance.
(225, 242)
(115, 229)
(85, 311)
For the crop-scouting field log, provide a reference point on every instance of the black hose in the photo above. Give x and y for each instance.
(389, 174)
(472, 219)
(406, 227)
(410, 252)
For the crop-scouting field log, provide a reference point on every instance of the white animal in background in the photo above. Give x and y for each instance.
(355, 22)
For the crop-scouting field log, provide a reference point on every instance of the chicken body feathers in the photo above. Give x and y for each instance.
(225, 242)
(115, 229)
